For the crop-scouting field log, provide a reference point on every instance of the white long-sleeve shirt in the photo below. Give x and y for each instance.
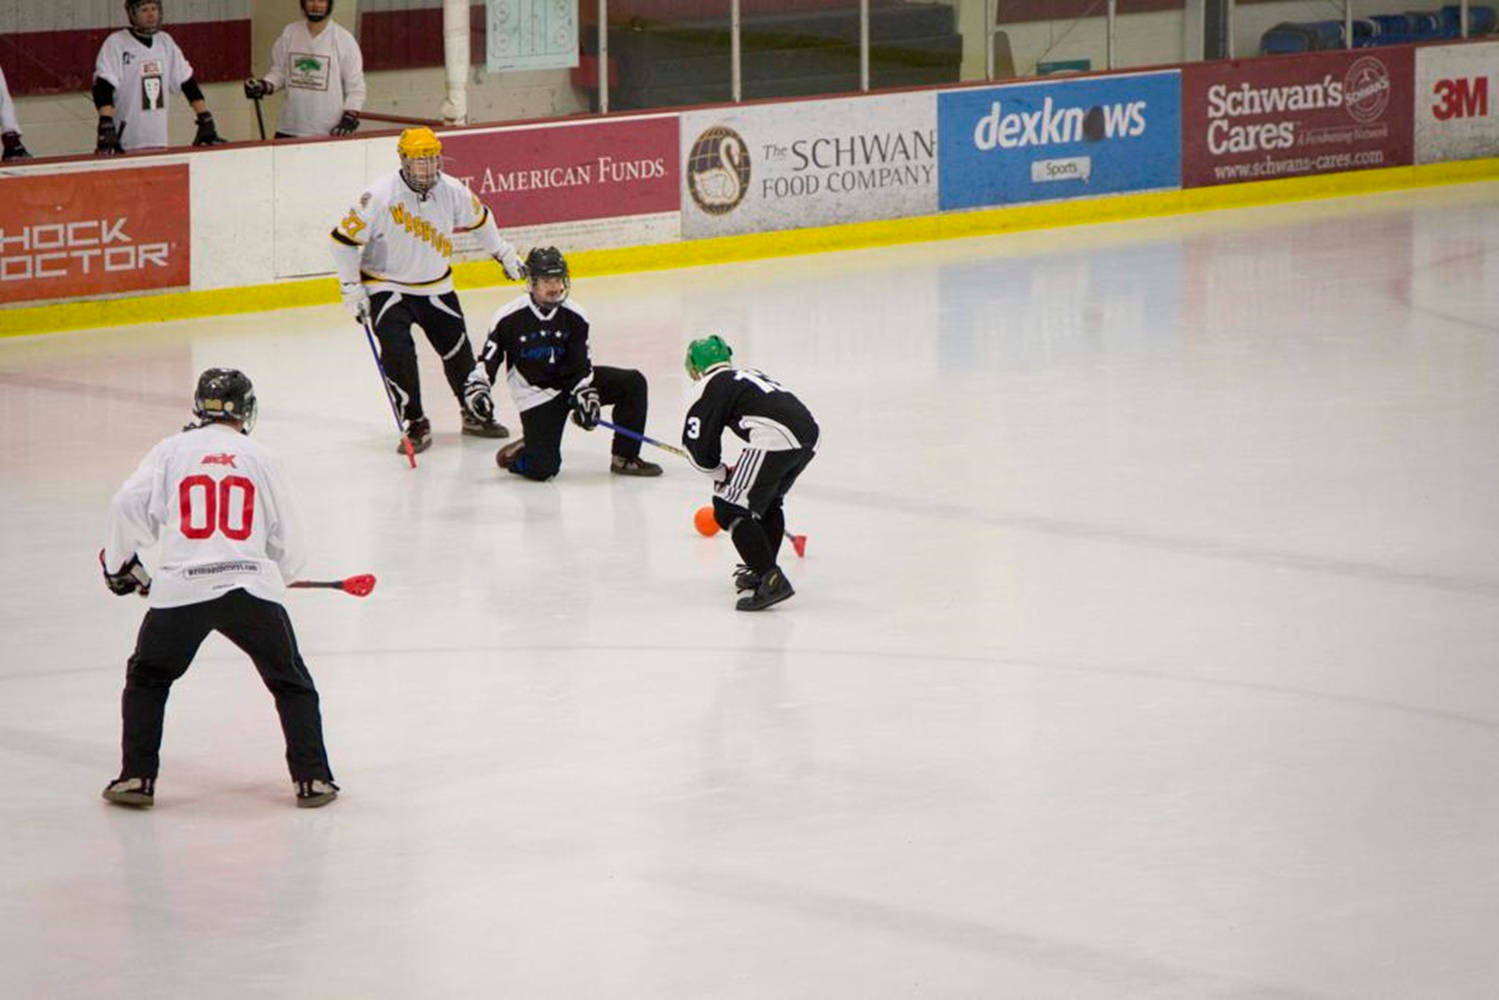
(8, 122)
(322, 74)
(218, 503)
(143, 76)
(394, 239)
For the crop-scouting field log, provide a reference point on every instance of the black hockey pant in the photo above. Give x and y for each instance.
(624, 389)
(749, 505)
(441, 319)
(169, 639)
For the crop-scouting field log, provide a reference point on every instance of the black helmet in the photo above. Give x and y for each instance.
(547, 262)
(225, 394)
(131, 8)
(315, 18)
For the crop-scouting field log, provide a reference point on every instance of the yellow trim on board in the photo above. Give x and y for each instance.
(136, 309)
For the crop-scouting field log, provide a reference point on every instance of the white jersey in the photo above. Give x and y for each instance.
(394, 239)
(218, 503)
(323, 76)
(142, 76)
(8, 121)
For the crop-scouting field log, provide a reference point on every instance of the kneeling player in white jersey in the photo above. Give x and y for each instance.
(392, 252)
(137, 69)
(230, 541)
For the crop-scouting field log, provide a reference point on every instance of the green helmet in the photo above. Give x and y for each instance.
(705, 353)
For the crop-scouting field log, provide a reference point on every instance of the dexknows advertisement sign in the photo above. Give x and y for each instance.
(811, 163)
(1061, 139)
(1259, 119)
(94, 232)
(1457, 102)
(569, 172)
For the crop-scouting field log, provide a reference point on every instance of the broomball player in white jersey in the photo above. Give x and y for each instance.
(542, 339)
(392, 251)
(322, 69)
(780, 437)
(230, 540)
(136, 71)
(10, 128)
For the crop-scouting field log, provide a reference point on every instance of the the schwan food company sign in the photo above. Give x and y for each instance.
(1062, 139)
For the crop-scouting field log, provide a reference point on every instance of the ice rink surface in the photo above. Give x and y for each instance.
(1145, 645)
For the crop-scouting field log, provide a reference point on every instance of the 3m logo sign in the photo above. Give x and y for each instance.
(1461, 97)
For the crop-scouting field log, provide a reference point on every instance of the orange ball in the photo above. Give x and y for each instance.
(705, 523)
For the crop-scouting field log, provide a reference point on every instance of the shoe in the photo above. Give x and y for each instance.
(507, 456)
(314, 793)
(138, 792)
(772, 589)
(745, 578)
(490, 428)
(633, 466)
(420, 433)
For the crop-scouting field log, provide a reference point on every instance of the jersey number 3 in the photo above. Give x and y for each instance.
(206, 506)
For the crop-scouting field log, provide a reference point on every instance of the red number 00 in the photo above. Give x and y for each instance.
(215, 501)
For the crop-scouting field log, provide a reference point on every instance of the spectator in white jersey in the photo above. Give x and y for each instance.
(230, 541)
(319, 65)
(137, 69)
(10, 128)
(391, 251)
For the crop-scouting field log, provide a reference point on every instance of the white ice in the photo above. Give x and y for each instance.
(1144, 646)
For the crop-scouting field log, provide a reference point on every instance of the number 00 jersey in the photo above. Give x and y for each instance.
(219, 504)
(754, 407)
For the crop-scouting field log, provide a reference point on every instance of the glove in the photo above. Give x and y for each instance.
(131, 577)
(13, 148)
(256, 89)
(347, 124)
(109, 138)
(511, 263)
(722, 475)
(207, 134)
(586, 408)
(356, 300)
(476, 395)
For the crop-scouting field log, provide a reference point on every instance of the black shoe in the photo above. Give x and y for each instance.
(773, 589)
(745, 578)
(633, 466)
(505, 458)
(314, 793)
(138, 792)
(420, 433)
(490, 428)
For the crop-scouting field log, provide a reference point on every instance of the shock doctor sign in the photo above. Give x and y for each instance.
(811, 163)
(1063, 139)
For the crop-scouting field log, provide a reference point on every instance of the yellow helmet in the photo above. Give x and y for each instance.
(421, 157)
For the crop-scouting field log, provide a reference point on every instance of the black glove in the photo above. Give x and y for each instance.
(207, 134)
(13, 148)
(109, 139)
(586, 408)
(256, 89)
(130, 578)
(347, 124)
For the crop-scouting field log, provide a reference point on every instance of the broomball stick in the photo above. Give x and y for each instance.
(389, 396)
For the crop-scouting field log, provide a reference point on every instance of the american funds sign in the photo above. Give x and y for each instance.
(810, 163)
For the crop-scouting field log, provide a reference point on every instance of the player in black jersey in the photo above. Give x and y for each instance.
(780, 438)
(542, 340)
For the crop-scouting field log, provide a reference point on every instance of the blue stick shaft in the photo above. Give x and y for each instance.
(641, 437)
(369, 335)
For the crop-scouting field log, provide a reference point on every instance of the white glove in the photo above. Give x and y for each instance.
(511, 263)
(476, 395)
(356, 300)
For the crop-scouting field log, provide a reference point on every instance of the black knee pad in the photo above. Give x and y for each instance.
(727, 514)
